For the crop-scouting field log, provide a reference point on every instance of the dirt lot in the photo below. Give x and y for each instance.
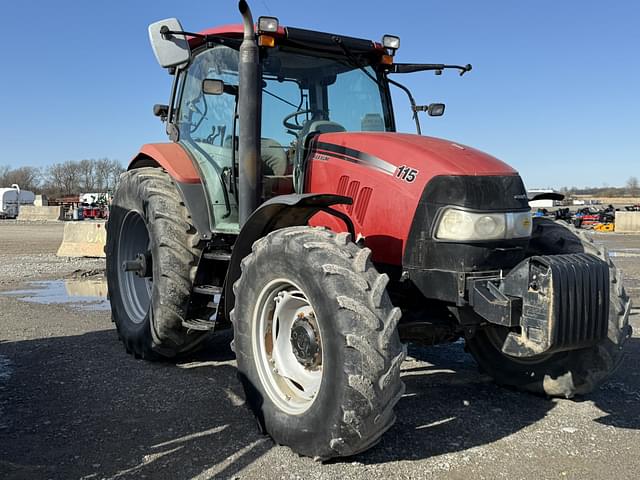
(74, 405)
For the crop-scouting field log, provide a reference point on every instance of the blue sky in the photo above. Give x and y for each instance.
(554, 90)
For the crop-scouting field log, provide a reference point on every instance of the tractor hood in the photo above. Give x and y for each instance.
(399, 183)
(430, 156)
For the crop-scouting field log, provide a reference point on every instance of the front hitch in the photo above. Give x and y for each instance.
(549, 303)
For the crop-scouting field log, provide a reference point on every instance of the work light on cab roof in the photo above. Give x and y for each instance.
(267, 25)
(391, 42)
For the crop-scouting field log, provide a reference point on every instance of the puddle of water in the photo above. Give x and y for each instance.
(83, 294)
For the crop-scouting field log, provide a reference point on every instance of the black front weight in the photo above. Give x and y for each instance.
(551, 303)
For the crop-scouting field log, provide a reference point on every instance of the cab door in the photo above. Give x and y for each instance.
(206, 126)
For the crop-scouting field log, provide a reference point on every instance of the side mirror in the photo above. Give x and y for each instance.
(435, 109)
(161, 111)
(170, 49)
(212, 86)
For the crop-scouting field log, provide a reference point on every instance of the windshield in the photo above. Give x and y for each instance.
(326, 92)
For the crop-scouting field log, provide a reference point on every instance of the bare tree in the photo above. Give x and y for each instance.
(115, 170)
(4, 170)
(107, 173)
(102, 172)
(28, 178)
(86, 175)
(63, 178)
(632, 186)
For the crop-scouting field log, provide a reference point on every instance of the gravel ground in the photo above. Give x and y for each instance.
(74, 405)
(27, 252)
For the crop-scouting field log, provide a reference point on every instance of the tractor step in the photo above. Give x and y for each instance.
(199, 324)
(219, 255)
(210, 290)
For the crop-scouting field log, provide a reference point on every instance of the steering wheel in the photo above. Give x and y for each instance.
(294, 126)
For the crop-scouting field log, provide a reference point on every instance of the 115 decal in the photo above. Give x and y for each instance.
(405, 173)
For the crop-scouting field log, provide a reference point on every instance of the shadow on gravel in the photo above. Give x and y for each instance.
(620, 397)
(79, 407)
(450, 407)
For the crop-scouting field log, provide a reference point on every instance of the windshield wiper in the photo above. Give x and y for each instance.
(280, 98)
(354, 61)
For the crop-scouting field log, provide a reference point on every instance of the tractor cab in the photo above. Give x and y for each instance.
(310, 83)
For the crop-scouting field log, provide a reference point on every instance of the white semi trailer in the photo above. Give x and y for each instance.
(11, 199)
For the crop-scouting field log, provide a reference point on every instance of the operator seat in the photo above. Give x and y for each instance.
(274, 158)
(272, 154)
(320, 126)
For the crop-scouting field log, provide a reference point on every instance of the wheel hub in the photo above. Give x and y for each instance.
(140, 266)
(135, 275)
(304, 342)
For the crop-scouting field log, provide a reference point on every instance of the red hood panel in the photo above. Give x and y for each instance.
(439, 156)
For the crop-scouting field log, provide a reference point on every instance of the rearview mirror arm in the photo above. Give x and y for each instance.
(412, 101)
(421, 67)
(167, 34)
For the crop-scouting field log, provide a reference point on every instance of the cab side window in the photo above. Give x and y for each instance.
(206, 121)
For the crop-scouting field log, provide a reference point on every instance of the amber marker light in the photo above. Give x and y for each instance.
(266, 41)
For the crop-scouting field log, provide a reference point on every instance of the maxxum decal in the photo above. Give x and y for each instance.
(354, 156)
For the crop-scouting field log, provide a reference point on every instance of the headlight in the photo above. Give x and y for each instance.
(463, 226)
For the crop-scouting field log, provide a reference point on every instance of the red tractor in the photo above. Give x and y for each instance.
(288, 208)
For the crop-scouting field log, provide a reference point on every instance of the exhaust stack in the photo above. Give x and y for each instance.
(249, 110)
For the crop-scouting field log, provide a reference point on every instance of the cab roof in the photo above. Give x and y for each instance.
(301, 38)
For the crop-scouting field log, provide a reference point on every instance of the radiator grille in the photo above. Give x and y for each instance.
(342, 185)
(362, 203)
(360, 196)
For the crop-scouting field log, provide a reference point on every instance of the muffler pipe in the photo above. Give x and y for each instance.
(249, 111)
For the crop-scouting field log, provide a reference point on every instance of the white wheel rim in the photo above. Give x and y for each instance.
(291, 385)
(135, 292)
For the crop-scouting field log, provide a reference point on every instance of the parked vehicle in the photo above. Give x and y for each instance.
(11, 199)
(288, 208)
(94, 205)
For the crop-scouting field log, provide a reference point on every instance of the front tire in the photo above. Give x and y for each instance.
(563, 374)
(316, 342)
(147, 217)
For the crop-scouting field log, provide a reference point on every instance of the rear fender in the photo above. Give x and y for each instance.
(178, 164)
(278, 212)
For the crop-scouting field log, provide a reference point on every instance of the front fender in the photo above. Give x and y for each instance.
(170, 156)
(173, 158)
(278, 212)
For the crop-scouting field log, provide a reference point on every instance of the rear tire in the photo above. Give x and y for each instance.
(563, 374)
(341, 400)
(147, 213)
